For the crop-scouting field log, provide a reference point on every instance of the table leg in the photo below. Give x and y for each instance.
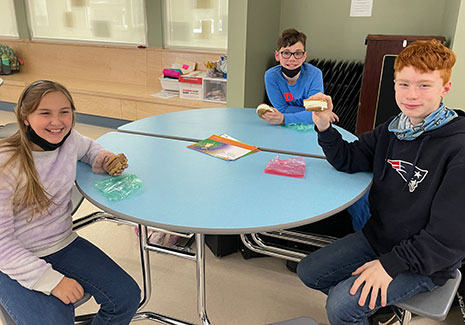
(147, 285)
(200, 272)
(145, 263)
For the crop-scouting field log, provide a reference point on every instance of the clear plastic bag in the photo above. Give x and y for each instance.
(119, 187)
(294, 167)
(300, 127)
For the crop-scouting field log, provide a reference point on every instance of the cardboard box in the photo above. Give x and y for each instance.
(193, 77)
(190, 85)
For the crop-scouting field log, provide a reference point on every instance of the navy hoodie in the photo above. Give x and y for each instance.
(417, 199)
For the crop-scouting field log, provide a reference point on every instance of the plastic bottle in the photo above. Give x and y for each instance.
(5, 65)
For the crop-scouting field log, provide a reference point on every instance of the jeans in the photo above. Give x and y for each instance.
(329, 270)
(113, 289)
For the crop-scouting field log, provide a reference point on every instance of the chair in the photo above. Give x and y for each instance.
(8, 129)
(5, 319)
(433, 304)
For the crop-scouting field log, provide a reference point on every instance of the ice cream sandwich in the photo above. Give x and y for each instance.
(115, 163)
(263, 108)
(315, 105)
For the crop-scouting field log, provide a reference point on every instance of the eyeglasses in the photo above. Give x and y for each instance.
(287, 54)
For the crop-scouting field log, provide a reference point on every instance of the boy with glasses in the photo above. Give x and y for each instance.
(292, 81)
(287, 85)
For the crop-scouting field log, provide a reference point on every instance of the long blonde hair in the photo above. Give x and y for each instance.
(30, 194)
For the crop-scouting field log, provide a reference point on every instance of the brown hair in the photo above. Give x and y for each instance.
(29, 192)
(291, 36)
(427, 56)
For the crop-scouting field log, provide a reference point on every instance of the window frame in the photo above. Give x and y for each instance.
(86, 41)
(165, 26)
(14, 22)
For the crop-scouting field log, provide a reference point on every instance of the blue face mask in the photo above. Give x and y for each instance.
(290, 73)
(41, 142)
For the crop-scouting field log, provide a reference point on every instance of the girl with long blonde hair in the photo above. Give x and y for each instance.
(44, 266)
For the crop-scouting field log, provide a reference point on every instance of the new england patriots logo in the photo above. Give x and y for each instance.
(404, 168)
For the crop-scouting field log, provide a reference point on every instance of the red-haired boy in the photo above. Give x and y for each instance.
(414, 240)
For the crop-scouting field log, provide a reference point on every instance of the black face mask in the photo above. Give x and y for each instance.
(290, 73)
(44, 144)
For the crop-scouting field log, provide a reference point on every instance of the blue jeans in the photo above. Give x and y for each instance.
(113, 289)
(329, 270)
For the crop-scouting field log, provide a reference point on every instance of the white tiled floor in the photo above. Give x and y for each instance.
(242, 292)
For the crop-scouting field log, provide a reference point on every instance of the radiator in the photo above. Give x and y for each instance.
(342, 81)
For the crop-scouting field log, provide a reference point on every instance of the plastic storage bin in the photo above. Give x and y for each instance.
(169, 84)
(214, 89)
(190, 86)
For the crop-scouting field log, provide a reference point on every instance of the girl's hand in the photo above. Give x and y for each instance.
(100, 165)
(116, 164)
(324, 118)
(68, 291)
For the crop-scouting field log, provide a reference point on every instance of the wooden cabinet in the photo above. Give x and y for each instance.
(378, 46)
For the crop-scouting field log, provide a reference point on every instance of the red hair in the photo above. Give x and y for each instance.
(427, 56)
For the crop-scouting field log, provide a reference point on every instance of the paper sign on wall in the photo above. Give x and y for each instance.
(361, 8)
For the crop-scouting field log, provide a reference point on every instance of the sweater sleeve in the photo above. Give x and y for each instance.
(87, 149)
(16, 261)
(350, 157)
(299, 117)
(441, 244)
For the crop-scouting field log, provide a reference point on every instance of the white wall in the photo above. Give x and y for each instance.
(455, 98)
(333, 34)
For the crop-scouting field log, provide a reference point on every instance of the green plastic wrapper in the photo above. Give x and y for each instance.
(119, 187)
(300, 127)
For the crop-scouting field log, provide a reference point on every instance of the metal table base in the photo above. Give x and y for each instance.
(144, 248)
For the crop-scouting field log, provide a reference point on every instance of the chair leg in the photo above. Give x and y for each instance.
(404, 316)
(407, 317)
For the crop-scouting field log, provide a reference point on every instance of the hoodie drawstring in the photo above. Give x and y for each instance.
(417, 156)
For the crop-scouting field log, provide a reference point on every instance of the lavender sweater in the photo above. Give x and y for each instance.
(23, 242)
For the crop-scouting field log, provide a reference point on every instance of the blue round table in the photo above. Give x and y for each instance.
(188, 191)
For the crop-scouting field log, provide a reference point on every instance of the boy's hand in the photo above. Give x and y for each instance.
(275, 117)
(324, 118)
(68, 291)
(375, 278)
